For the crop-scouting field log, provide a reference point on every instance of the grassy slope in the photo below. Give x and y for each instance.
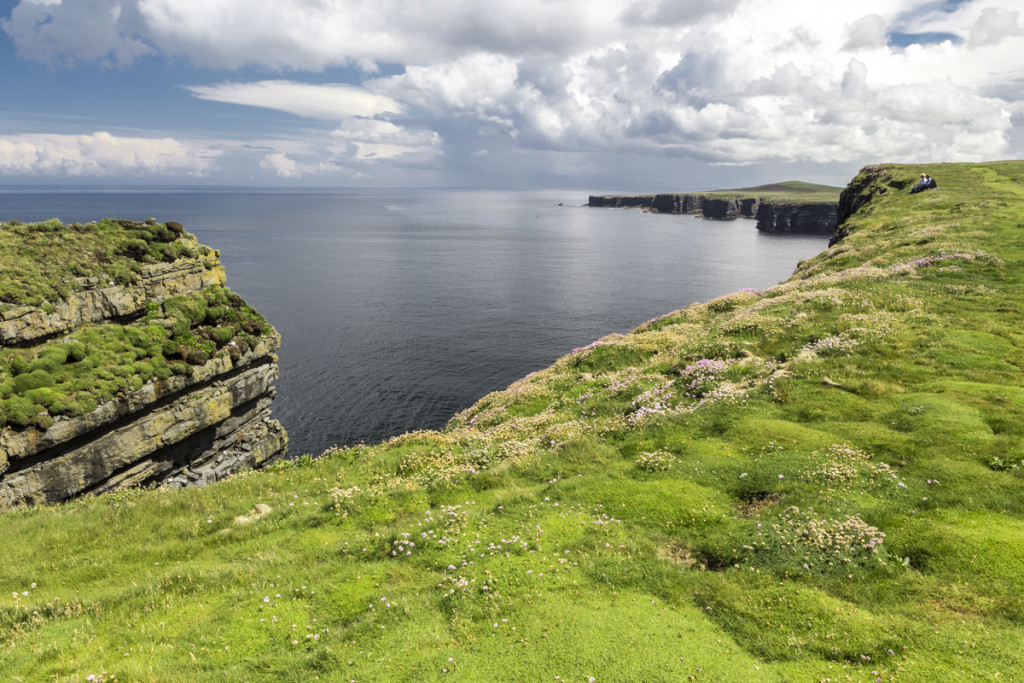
(789, 192)
(702, 499)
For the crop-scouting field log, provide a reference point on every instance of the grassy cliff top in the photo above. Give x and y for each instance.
(790, 191)
(817, 481)
(42, 263)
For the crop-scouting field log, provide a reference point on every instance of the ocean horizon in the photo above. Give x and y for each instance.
(400, 307)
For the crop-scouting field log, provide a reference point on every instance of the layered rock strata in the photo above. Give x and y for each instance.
(819, 218)
(816, 218)
(97, 302)
(209, 419)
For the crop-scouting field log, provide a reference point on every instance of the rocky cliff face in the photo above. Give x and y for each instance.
(817, 218)
(709, 206)
(872, 181)
(166, 378)
(730, 208)
(617, 202)
(93, 303)
(678, 203)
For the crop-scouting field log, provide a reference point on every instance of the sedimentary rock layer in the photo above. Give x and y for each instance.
(209, 419)
(93, 303)
(148, 436)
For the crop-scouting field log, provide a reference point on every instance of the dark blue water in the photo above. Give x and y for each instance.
(399, 308)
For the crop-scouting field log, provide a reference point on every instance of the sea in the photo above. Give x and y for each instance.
(399, 308)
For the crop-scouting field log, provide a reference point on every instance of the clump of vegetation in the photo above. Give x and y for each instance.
(43, 263)
(658, 461)
(842, 504)
(97, 363)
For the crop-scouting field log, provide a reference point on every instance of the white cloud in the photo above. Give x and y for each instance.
(358, 137)
(101, 154)
(366, 129)
(478, 83)
(382, 140)
(61, 33)
(866, 32)
(280, 165)
(994, 25)
(963, 18)
(329, 102)
(768, 82)
(310, 34)
(719, 81)
(674, 12)
(348, 151)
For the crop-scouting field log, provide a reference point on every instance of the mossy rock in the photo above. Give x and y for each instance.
(100, 362)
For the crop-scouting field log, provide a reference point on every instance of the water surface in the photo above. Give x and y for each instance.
(399, 308)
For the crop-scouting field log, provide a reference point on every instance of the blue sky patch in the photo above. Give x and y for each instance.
(897, 39)
(571, 93)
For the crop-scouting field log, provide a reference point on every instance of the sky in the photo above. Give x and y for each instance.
(642, 95)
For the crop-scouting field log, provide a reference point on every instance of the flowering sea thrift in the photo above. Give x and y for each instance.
(835, 345)
(822, 542)
(658, 461)
(701, 376)
(344, 496)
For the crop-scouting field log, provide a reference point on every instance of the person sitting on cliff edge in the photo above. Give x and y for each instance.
(925, 183)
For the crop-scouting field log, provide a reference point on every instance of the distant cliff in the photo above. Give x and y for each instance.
(819, 218)
(780, 208)
(124, 361)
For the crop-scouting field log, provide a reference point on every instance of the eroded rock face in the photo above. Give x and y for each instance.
(870, 182)
(187, 429)
(678, 203)
(809, 219)
(617, 202)
(819, 218)
(97, 303)
(721, 209)
(154, 435)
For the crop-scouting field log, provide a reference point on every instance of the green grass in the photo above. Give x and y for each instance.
(72, 375)
(42, 264)
(811, 482)
(788, 192)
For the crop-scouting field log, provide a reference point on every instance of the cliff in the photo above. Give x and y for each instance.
(125, 361)
(871, 183)
(790, 207)
(820, 480)
(813, 218)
